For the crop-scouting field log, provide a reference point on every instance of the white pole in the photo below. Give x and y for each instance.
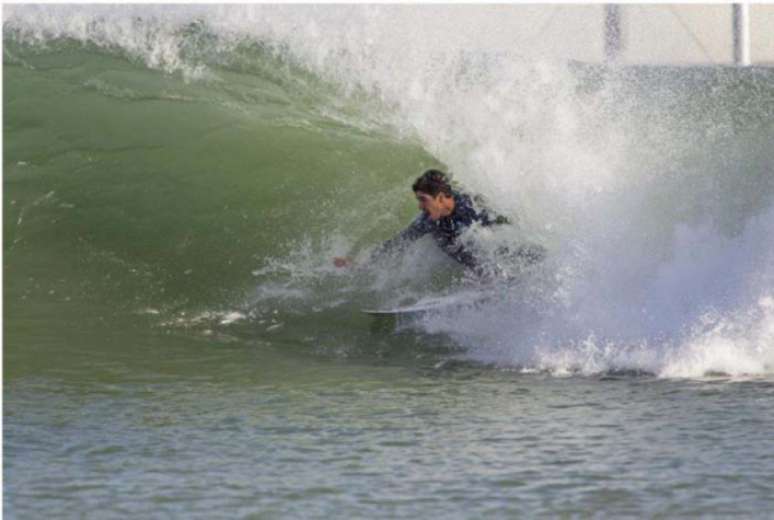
(741, 33)
(612, 32)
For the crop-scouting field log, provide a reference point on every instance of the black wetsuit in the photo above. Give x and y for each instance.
(446, 230)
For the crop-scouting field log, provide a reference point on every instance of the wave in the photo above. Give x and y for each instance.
(225, 154)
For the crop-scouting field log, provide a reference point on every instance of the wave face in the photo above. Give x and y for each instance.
(199, 166)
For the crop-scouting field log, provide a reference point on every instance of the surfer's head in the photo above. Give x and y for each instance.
(434, 193)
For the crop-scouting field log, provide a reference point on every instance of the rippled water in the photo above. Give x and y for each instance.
(175, 426)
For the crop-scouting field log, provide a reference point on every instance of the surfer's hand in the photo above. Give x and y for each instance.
(342, 261)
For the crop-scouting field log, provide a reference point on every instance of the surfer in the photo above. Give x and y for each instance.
(445, 214)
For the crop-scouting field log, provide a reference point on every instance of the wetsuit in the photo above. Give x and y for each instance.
(446, 230)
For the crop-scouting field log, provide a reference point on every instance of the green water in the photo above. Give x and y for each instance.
(177, 343)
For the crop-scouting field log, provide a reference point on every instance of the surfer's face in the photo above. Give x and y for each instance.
(435, 207)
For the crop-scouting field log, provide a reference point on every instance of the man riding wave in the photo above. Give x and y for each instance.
(445, 214)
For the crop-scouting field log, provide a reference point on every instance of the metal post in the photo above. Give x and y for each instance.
(740, 18)
(612, 32)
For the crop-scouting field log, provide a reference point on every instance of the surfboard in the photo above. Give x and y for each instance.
(422, 306)
(402, 311)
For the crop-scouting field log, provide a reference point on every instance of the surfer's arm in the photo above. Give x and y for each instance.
(416, 230)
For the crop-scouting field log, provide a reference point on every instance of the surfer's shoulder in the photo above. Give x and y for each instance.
(463, 203)
(478, 206)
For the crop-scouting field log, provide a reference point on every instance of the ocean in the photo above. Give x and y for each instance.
(178, 343)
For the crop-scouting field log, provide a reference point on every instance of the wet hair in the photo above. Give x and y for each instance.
(433, 182)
